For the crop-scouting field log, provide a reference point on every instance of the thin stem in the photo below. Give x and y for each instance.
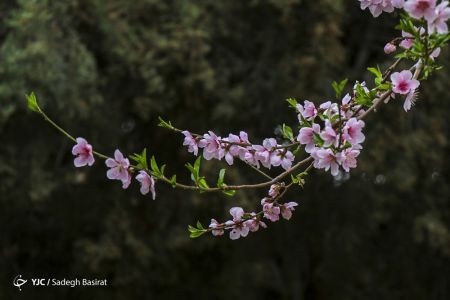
(389, 70)
(46, 118)
(259, 171)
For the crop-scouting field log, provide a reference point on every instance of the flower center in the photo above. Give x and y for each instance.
(423, 5)
(403, 86)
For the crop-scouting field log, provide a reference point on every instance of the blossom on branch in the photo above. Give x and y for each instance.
(84, 153)
(147, 183)
(119, 168)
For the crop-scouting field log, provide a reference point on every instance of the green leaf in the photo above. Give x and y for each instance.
(201, 182)
(230, 193)
(292, 103)
(173, 181)
(155, 169)
(199, 225)
(165, 124)
(191, 228)
(220, 181)
(195, 173)
(196, 232)
(32, 102)
(140, 159)
(287, 132)
(376, 72)
(197, 165)
(339, 87)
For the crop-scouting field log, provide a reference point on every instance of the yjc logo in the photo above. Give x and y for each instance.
(38, 281)
(18, 281)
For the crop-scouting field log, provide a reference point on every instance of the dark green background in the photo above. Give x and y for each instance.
(106, 69)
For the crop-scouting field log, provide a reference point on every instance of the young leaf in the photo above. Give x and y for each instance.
(196, 232)
(376, 72)
(199, 225)
(173, 181)
(32, 103)
(165, 124)
(287, 132)
(154, 166)
(339, 87)
(197, 165)
(292, 103)
(230, 193)
(220, 181)
(140, 159)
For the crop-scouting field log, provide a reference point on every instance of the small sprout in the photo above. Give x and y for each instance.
(195, 232)
(339, 87)
(32, 103)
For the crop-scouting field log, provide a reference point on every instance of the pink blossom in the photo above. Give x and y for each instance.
(283, 158)
(147, 183)
(307, 111)
(239, 227)
(237, 213)
(326, 159)
(421, 9)
(274, 191)
(439, 21)
(231, 149)
(328, 135)
(398, 3)
(287, 209)
(403, 82)
(376, 7)
(84, 153)
(329, 108)
(346, 100)
(216, 231)
(352, 131)
(263, 153)
(435, 54)
(348, 158)
(306, 136)
(410, 100)
(243, 137)
(408, 40)
(346, 109)
(389, 48)
(127, 182)
(271, 211)
(212, 148)
(254, 223)
(250, 157)
(119, 168)
(191, 142)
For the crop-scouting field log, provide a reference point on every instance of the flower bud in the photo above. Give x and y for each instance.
(389, 48)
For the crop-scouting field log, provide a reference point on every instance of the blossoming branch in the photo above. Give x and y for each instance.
(328, 136)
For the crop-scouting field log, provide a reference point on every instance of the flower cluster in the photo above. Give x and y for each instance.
(331, 133)
(403, 83)
(376, 7)
(269, 154)
(242, 223)
(119, 167)
(339, 142)
(436, 15)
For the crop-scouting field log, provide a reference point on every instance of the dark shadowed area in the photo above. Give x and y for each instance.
(106, 69)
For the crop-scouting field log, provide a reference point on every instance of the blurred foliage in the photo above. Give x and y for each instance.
(105, 69)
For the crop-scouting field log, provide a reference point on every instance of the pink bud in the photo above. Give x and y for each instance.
(389, 48)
